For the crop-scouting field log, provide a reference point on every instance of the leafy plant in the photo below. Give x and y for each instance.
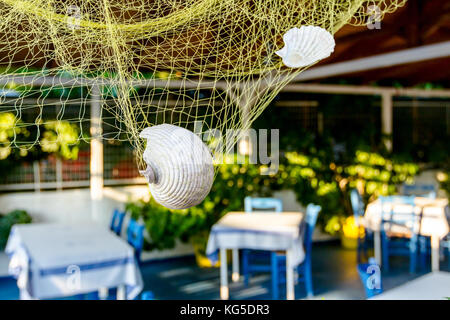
(55, 137)
(7, 221)
(60, 137)
(312, 175)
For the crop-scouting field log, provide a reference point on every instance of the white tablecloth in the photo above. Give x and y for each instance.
(435, 215)
(258, 231)
(432, 286)
(54, 260)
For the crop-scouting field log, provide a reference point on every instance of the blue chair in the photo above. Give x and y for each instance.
(256, 260)
(358, 212)
(405, 242)
(135, 237)
(117, 221)
(370, 274)
(422, 190)
(445, 245)
(261, 204)
(147, 295)
(425, 249)
(304, 270)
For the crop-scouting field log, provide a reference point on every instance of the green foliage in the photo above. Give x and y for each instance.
(60, 137)
(328, 184)
(164, 226)
(55, 136)
(10, 130)
(444, 180)
(310, 174)
(7, 221)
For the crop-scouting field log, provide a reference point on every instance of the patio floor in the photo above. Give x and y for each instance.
(334, 277)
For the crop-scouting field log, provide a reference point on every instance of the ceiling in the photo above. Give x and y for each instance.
(418, 23)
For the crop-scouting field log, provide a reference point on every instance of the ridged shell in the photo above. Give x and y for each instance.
(179, 166)
(305, 46)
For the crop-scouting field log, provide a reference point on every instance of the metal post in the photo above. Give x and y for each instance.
(387, 117)
(96, 163)
(37, 176)
(320, 123)
(59, 178)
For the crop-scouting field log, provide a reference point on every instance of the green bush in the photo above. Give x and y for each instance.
(49, 137)
(165, 226)
(328, 184)
(7, 221)
(312, 177)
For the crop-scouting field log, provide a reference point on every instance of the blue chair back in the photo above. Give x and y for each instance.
(407, 218)
(370, 275)
(388, 215)
(262, 204)
(312, 212)
(423, 190)
(135, 237)
(117, 221)
(357, 205)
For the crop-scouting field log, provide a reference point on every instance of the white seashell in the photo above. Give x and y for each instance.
(180, 168)
(305, 46)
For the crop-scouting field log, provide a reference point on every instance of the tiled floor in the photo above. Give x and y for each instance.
(334, 277)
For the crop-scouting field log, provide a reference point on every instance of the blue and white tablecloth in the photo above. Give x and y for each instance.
(54, 260)
(259, 231)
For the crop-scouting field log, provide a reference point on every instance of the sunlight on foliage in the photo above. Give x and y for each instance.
(60, 137)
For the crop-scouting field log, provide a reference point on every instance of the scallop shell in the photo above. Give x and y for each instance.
(305, 46)
(180, 168)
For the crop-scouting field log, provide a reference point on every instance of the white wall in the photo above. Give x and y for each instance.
(74, 206)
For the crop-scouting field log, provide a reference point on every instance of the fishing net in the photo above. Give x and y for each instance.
(205, 65)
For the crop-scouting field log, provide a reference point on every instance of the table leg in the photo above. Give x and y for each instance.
(377, 246)
(23, 295)
(290, 293)
(235, 275)
(435, 253)
(223, 275)
(121, 293)
(103, 293)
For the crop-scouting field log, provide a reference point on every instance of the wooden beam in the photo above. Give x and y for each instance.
(423, 53)
(366, 90)
(387, 118)
(409, 74)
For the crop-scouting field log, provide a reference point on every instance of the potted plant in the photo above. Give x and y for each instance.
(347, 229)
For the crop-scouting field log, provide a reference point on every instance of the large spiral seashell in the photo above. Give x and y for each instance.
(305, 46)
(180, 168)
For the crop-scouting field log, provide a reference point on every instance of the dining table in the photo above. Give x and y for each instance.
(431, 286)
(434, 222)
(270, 231)
(51, 260)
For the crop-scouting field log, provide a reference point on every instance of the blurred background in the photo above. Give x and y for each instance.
(373, 117)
